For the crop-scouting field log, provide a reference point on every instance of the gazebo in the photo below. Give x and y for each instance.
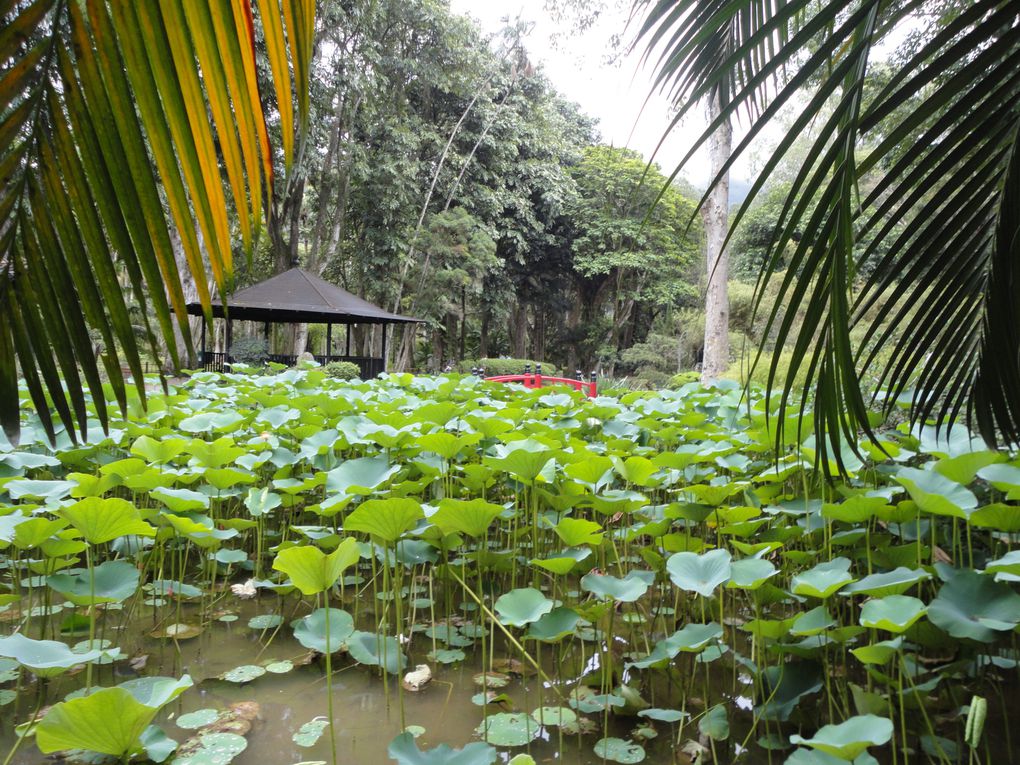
(294, 297)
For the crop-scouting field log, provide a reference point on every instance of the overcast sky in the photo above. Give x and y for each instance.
(614, 94)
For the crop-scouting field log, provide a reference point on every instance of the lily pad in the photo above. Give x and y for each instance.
(243, 674)
(265, 621)
(405, 751)
(508, 729)
(309, 733)
(198, 719)
(619, 750)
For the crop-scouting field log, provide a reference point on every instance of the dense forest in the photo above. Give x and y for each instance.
(444, 177)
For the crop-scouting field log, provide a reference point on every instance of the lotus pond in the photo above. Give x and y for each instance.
(459, 572)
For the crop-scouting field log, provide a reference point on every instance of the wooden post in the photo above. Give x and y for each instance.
(384, 346)
(348, 339)
(329, 340)
(230, 337)
(202, 361)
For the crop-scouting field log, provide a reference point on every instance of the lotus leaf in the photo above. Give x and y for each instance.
(198, 719)
(311, 630)
(554, 626)
(699, 573)
(508, 729)
(971, 605)
(374, 650)
(936, 494)
(405, 751)
(851, 738)
(823, 580)
(311, 570)
(111, 582)
(894, 613)
(309, 733)
(103, 520)
(692, 638)
(469, 517)
(619, 750)
(522, 606)
(360, 476)
(385, 519)
(45, 658)
(625, 590)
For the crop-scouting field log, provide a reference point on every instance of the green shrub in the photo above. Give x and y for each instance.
(494, 367)
(680, 380)
(343, 370)
(250, 350)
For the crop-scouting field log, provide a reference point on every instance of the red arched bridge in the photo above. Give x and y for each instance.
(536, 379)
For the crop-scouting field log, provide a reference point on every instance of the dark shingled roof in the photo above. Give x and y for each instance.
(298, 296)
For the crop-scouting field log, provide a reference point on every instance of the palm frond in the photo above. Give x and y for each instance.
(105, 143)
(923, 265)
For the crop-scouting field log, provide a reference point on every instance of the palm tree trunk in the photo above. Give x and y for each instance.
(716, 214)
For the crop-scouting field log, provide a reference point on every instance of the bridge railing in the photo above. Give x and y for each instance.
(536, 379)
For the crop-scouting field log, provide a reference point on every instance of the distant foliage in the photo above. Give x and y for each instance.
(343, 370)
(494, 367)
(250, 350)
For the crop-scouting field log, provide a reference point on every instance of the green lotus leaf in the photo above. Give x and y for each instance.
(750, 573)
(554, 716)
(230, 557)
(508, 729)
(157, 745)
(972, 605)
(277, 416)
(469, 517)
(578, 531)
(637, 470)
(894, 582)
(265, 621)
(785, 686)
(1007, 564)
(226, 477)
(198, 719)
(109, 721)
(823, 580)
(524, 460)
(181, 500)
(594, 472)
(311, 570)
(385, 519)
(851, 738)
(405, 751)
(311, 630)
(812, 622)
(243, 674)
(625, 590)
(309, 733)
(103, 520)
(564, 561)
(699, 573)
(158, 452)
(45, 658)
(817, 757)
(619, 750)
(360, 476)
(878, 653)
(715, 724)
(663, 715)
(522, 606)
(894, 613)
(47, 491)
(376, 651)
(936, 494)
(855, 509)
(112, 582)
(262, 501)
(692, 638)
(200, 530)
(215, 749)
(997, 516)
(1005, 478)
(32, 532)
(554, 626)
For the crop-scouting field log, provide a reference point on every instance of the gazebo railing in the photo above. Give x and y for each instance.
(220, 362)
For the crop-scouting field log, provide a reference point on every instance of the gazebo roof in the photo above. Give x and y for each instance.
(298, 296)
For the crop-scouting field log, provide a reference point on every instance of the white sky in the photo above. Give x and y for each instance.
(614, 94)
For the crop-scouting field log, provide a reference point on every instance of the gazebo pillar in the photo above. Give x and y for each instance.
(329, 340)
(384, 325)
(348, 339)
(230, 337)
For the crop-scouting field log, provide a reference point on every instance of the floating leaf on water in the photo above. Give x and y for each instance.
(178, 631)
(491, 697)
(227, 618)
(265, 621)
(215, 749)
(280, 667)
(447, 655)
(508, 729)
(405, 751)
(554, 716)
(243, 674)
(309, 733)
(491, 679)
(198, 719)
(619, 750)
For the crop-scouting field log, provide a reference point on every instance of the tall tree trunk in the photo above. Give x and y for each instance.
(716, 214)
(519, 331)
(483, 334)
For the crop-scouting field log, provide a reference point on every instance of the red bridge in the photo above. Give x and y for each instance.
(538, 380)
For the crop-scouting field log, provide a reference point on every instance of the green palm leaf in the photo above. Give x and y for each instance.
(106, 149)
